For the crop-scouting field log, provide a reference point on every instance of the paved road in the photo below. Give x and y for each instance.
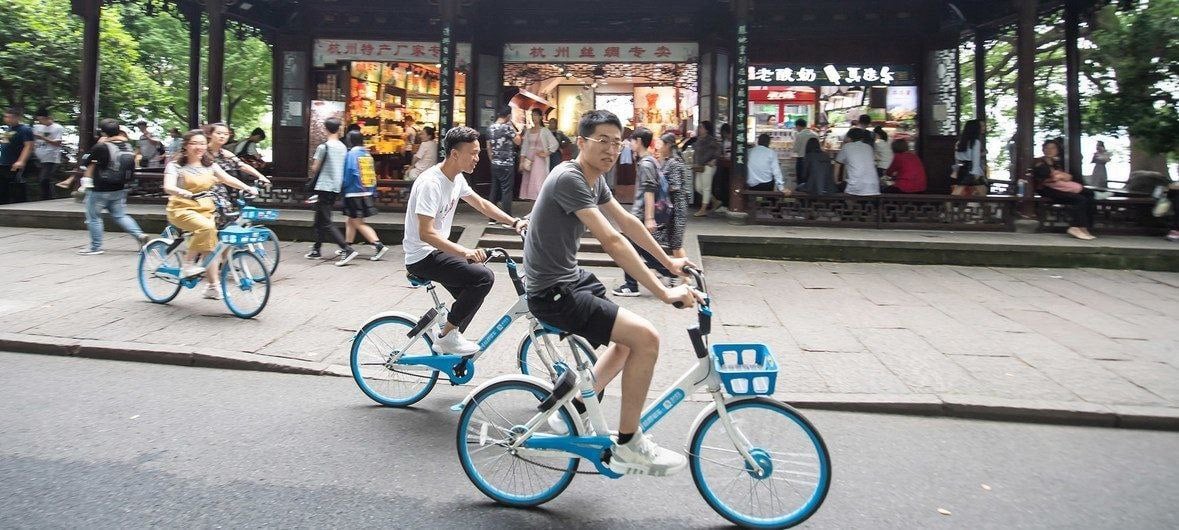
(89, 443)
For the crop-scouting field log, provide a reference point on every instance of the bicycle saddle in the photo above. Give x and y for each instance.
(416, 281)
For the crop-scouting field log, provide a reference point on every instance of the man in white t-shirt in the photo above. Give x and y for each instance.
(47, 149)
(430, 255)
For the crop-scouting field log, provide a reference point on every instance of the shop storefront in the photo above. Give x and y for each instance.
(831, 97)
(383, 87)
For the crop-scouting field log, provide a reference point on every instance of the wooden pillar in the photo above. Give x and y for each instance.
(1072, 83)
(1025, 111)
(216, 11)
(980, 75)
(89, 10)
(193, 15)
(740, 102)
(446, 60)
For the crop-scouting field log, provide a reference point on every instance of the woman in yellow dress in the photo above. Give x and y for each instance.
(192, 171)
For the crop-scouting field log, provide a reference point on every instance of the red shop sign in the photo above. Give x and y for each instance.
(781, 95)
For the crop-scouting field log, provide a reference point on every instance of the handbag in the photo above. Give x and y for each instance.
(525, 160)
(1067, 185)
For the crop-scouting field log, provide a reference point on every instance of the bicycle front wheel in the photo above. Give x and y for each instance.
(159, 273)
(268, 251)
(490, 423)
(245, 284)
(397, 385)
(793, 474)
(528, 355)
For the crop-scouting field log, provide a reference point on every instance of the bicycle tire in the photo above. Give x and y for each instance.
(251, 279)
(373, 357)
(153, 256)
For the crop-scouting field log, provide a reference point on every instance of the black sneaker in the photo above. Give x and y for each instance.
(626, 290)
(347, 256)
(314, 254)
(380, 252)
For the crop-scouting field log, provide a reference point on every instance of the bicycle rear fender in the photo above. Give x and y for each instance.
(543, 383)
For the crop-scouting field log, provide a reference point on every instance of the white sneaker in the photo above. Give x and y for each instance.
(188, 271)
(557, 425)
(640, 456)
(213, 292)
(454, 342)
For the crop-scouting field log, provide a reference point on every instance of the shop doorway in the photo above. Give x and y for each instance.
(662, 97)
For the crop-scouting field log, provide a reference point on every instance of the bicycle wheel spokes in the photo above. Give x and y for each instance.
(158, 272)
(245, 284)
(530, 351)
(396, 385)
(269, 251)
(490, 423)
(792, 474)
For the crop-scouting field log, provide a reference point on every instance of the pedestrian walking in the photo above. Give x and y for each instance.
(502, 140)
(193, 171)
(707, 153)
(535, 149)
(646, 187)
(109, 167)
(678, 177)
(16, 148)
(47, 148)
(328, 171)
(360, 182)
(1099, 178)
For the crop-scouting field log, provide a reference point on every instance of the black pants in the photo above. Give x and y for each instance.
(798, 171)
(1082, 205)
(651, 262)
(764, 186)
(468, 283)
(720, 184)
(1174, 196)
(324, 229)
(502, 180)
(45, 175)
(12, 186)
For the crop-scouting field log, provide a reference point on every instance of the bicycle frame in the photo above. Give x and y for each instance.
(592, 445)
(460, 368)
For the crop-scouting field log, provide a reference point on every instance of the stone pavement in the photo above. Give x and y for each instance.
(1065, 345)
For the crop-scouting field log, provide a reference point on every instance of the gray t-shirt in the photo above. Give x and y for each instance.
(647, 179)
(331, 173)
(554, 233)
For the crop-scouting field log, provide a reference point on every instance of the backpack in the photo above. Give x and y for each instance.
(121, 167)
(663, 206)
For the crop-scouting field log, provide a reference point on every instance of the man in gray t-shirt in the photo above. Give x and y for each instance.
(572, 199)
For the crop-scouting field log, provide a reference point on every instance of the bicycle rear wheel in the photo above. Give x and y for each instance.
(245, 284)
(490, 422)
(398, 385)
(794, 467)
(268, 251)
(159, 272)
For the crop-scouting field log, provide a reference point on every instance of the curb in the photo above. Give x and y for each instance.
(163, 354)
(944, 405)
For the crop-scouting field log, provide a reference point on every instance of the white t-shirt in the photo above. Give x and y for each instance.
(859, 163)
(48, 153)
(436, 196)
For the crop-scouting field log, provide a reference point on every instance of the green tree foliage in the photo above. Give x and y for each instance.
(143, 64)
(1135, 65)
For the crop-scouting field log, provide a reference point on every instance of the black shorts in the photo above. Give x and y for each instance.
(579, 307)
(359, 207)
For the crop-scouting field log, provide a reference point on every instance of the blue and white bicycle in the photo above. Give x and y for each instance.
(755, 460)
(393, 363)
(249, 217)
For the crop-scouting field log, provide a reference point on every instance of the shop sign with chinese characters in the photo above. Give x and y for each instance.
(831, 75)
(615, 52)
(330, 51)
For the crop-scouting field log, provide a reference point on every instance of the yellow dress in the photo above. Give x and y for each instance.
(194, 216)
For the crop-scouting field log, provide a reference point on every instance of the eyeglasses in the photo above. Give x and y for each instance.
(615, 145)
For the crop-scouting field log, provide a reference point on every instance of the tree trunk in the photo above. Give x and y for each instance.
(1141, 160)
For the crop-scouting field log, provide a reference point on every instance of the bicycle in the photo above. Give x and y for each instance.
(246, 217)
(392, 359)
(766, 466)
(245, 282)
